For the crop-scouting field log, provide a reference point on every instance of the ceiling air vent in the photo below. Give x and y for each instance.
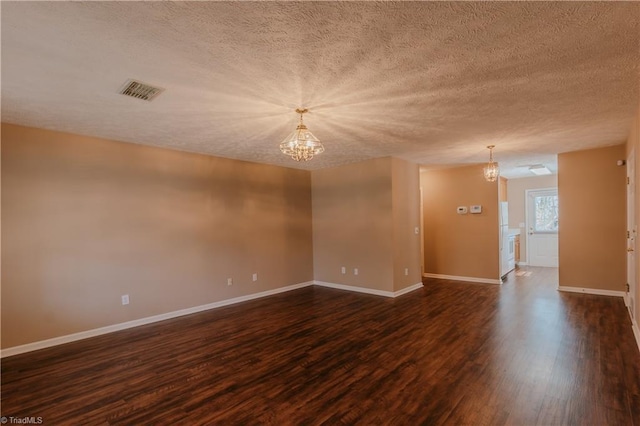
(140, 90)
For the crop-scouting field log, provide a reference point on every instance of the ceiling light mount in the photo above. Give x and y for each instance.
(301, 145)
(539, 170)
(491, 170)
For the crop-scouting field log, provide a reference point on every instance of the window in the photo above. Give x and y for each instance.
(546, 213)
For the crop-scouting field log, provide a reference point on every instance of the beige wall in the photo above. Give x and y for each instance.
(592, 235)
(364, 215)
(352, 224)
(633, 144)
(87, 220)
(516, 194)
(460, 245)
(406, 218)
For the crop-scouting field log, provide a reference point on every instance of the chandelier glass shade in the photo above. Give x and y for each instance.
(301, 145)
(491, 170)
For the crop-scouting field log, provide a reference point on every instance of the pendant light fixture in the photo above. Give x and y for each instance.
(491, 170)
(301, 145)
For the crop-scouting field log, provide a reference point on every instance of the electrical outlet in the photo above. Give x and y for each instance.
(355, 271)
(406, 271)
(255, 277)
(343, 270)
(125, 299)
(229, 281)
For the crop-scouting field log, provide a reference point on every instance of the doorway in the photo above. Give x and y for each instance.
(631, 235)
(542, 227)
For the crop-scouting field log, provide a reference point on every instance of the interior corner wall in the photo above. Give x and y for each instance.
(86, 220)
(461, 245)
(406, 220)
(516, 196)
(353, 224)
(592, 217)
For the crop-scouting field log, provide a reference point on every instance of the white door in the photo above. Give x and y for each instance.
(542, 227)
(631, 235)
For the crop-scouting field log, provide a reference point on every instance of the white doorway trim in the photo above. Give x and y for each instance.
(632, 233)
(422, 268)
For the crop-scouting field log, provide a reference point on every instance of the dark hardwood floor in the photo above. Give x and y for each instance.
(451, 353)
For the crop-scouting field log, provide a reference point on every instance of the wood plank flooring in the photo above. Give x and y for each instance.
(451, 353)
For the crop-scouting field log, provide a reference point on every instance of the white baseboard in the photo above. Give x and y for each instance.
(467, 279)
(408, 289)
(353, 288)
(636, 332)
(522, 263)
(595, 291)
(142, 321)
(369, 290)
(16, 350)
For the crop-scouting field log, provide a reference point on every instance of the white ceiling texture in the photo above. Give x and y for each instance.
(430, 82)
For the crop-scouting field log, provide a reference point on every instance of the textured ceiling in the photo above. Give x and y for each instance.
(431, 82)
